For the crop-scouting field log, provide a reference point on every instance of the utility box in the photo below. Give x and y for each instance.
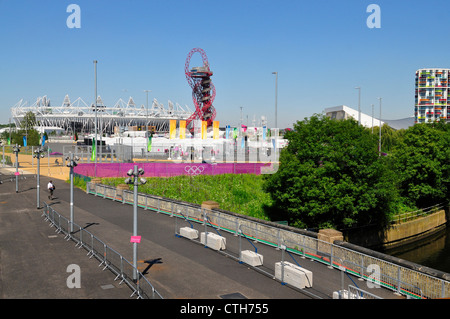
(189, 232)
(294, 275)
(252, 258)
(213, 241)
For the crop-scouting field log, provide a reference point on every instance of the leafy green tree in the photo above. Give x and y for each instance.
(422, 162)
(389, 137)
(331, 175)
(28, 122)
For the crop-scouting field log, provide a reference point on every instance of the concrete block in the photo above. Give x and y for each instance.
(251, 258)
(294, 275)
(189, 232)
(345, 294)
(213, 241)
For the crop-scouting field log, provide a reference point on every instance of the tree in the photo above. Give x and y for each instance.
(422, 161)
(29, 121)
(331, 175)
(26, 129)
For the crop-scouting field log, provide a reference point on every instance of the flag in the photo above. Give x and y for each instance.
(173, 129)
(227, 132)
(9, 141)
(235, 133)
(93, 155)
(43, 140)
(215, 130)
(243, 142)
(264, 132)
(24, 141)
(149, 142)
(182, 129)
(204, 126)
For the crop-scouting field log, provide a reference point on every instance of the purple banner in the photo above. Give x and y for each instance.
(168, 169)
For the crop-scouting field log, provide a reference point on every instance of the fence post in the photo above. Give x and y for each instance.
(239, 231)
(206, 230)
(282, 264)
(331, 257)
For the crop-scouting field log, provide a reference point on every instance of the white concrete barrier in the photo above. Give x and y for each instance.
(344, 294)
(213, 241)
(251, 258)
(294, 275)
(189, 232)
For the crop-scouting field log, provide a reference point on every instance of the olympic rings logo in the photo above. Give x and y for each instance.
(194, 170)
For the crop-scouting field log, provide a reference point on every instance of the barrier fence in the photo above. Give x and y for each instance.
(109, 258)
(246, 233)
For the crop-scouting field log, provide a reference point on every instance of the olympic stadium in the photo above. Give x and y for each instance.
(78, 116)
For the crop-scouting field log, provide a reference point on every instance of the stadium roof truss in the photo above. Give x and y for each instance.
(82, 115)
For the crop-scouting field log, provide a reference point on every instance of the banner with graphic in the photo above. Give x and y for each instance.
(216, 130)
(94, 151)
(149, 142)
(204, 127)
(197, 128)
(173, 129)
(182, 129)
(24, 141)
(227, 132)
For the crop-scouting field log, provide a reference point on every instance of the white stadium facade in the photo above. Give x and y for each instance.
(80, 117)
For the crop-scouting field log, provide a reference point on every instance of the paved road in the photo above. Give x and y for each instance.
(33, 261)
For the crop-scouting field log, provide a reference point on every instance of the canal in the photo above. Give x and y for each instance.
(433, 252)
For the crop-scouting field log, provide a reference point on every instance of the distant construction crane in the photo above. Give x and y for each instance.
(203, 90)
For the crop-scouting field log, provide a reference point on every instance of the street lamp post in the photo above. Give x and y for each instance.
(133, 179)
(146, 121)
(71, 163)
(95, 109)
(16, 150)
(372, 118)
(38, 154)
(379, 138)
(359, 104)
(276, 97)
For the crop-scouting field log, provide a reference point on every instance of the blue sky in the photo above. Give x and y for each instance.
(321, 50)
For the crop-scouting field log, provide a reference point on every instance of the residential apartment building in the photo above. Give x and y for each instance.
(432, 95)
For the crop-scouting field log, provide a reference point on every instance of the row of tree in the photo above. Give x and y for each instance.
(26, 129)
(332, 174)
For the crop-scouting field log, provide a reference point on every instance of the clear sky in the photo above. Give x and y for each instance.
(321, 49)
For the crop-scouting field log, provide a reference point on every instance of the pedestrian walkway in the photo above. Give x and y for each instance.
(187, 270)
(36, 262)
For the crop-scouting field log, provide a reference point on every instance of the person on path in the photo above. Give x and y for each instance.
(50, 188)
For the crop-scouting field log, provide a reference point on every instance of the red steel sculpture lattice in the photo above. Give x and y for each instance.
(203, 90)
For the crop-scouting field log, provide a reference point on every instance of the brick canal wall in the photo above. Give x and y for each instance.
(400, 233)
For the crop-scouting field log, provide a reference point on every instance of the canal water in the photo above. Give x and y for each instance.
(433, 252)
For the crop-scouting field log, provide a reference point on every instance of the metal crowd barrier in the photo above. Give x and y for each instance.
(109, 258)
(400, 279)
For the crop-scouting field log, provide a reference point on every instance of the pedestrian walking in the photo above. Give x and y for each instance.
(50, 188)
